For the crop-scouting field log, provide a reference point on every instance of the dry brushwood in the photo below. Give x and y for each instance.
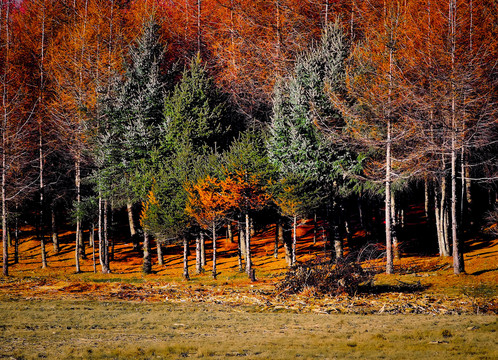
(325, 277)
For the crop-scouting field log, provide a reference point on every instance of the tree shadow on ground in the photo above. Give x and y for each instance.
(402, 287)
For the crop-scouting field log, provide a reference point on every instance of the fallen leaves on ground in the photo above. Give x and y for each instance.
(257, 299)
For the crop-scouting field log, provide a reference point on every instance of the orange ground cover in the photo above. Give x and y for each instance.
(126, 282)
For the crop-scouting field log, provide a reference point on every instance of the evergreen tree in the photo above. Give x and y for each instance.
(133, 113)
(197, 112)
(305, 157)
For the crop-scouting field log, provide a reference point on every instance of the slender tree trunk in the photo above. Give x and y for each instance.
(214, 251)
(92, 242)
(133, 232)
(43, 250)
(287, 241)
(186, 275)
(103, 236)
(55, 235)
(78, 220)
(338, 245)
(458, 265)
(4, 213)
(230, 233)
(294, 240)
(42, 190)
(3, 128)
(360, 211)
(389, 255)
(468, 187)
(275, 249)
(242, 240)
(203, 249)
(159, 248)
(110, 257)
(281, 231)
(147, 263)
(394, 225)
(315, 228)
(248, 246)
(198, 263)
(240, 245)
(426, 197)
(16, 242)
(106, 236)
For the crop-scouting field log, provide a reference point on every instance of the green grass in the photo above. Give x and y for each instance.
(58, 329)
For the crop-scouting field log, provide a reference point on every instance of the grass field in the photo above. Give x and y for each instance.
(62, 329)
(421, 312)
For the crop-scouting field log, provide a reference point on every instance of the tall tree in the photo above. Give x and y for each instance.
(379, 117)
(319, 167)
(134, 114)
(14, 130)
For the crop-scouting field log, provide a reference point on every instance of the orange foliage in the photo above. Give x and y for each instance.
(211, 200)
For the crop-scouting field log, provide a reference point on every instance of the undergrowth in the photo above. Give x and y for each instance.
(322, 276)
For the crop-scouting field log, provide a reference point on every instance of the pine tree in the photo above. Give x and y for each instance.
(306, 158)
(195, 111)
(133, 110)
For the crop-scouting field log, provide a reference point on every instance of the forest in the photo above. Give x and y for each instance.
(168, 121)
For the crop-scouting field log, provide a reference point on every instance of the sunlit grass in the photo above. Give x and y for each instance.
(56, 329)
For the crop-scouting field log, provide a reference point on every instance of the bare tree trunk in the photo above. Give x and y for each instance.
(106, 237)
(55, 235)
(133, 232)
(214, 251)
(186, 275)
(110, 239)
(42, 190)
(360, 212)
(203, 249)
(458, 265)
(230, 232)
(240, 245)
(4, 213)
(439, 211)
(159, 248)
(147, 263)
(287, 241)
(426, 197)
(198, 256)
(315, 228)
(78, 220)
(242, 240)
(16, 240)
(281, 232)
(42, 245)
(92, 241)
(248, 246)
(394, 225)
(103, 236)
(294, 240)
(275, 249)
(389, 255)
(338, 245)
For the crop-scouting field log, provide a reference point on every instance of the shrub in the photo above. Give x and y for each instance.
(325, 277)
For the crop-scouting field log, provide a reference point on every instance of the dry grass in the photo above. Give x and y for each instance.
(57, 314)
(58, 329)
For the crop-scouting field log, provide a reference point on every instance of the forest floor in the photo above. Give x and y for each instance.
(57, 314)
(421, 284)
